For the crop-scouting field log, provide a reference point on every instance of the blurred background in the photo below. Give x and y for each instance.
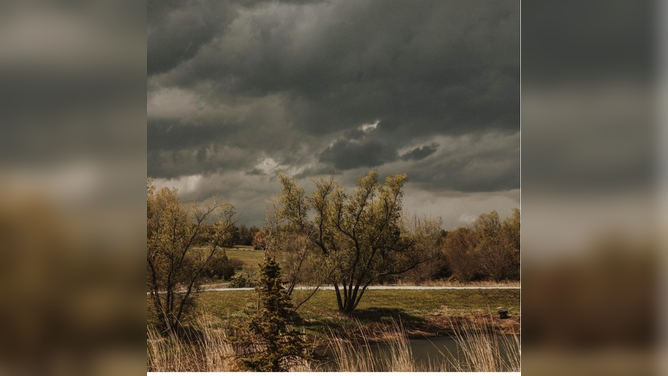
(73, 165)
(593, 187)
(72, 171)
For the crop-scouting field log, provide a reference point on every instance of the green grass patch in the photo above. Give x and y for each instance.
(420, 302)
(250, 257)
(415, 308)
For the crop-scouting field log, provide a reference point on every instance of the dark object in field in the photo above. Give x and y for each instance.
(503, 314)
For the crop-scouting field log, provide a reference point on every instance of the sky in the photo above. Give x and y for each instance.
(240, 91)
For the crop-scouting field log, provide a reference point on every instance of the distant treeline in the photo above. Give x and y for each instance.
(488, 249)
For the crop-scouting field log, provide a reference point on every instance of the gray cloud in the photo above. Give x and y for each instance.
(239, 87)
(420, 153)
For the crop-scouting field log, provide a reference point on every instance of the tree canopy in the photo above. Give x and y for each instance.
(357, 237)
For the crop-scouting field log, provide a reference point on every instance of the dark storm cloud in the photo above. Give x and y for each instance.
(346, 155)
(177, 30)
(296, 86)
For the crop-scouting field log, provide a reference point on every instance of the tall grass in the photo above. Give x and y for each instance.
(206, 349)
(203, 349)
(481, 350)
(356, 355)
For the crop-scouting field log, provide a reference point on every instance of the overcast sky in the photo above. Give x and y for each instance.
(241, 91)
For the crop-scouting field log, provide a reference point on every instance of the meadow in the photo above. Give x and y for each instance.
(423, 313)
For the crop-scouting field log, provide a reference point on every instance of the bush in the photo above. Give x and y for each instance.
(246, 279)
(490, 249)
(222, 267)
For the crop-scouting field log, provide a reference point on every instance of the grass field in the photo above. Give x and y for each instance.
(423, 312)
(426, 312)
(250, 257)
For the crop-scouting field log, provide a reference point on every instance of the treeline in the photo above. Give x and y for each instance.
(348, 240)
(489, 249)
(239, 235)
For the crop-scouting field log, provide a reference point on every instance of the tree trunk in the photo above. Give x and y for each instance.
(347, 300)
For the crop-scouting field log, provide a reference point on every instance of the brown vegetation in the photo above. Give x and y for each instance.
(489, 249)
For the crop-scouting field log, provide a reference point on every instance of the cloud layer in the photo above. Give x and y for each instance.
(239, 91)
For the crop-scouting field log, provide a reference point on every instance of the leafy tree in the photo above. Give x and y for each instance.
(358, 237)
(266, 341)
(173, 261)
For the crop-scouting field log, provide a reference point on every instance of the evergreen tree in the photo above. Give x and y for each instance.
(265, 341)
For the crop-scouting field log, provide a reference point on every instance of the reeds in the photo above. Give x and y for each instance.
(357, 354)
(481, 350)
(203, 349)
(206, 349)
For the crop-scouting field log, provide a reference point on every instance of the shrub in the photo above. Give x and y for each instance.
(222, 267)
(246, 279)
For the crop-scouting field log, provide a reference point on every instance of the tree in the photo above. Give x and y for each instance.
(174, 264)
(458, 249)
(265, 341)
(222, 267)
(498, 245)
(489, 249)
(246, 234)
(358, 236)
(259, 240)
(427, 234)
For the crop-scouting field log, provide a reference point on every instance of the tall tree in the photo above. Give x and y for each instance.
(173, 261)
(266, 340)
(358, 236)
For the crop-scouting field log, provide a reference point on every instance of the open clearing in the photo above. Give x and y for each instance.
(251, 258)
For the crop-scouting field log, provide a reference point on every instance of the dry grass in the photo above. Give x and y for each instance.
(483, 351)
(207, 350)
(358, 356)
(480, 351)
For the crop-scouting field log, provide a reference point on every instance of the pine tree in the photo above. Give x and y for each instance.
(265, 341)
